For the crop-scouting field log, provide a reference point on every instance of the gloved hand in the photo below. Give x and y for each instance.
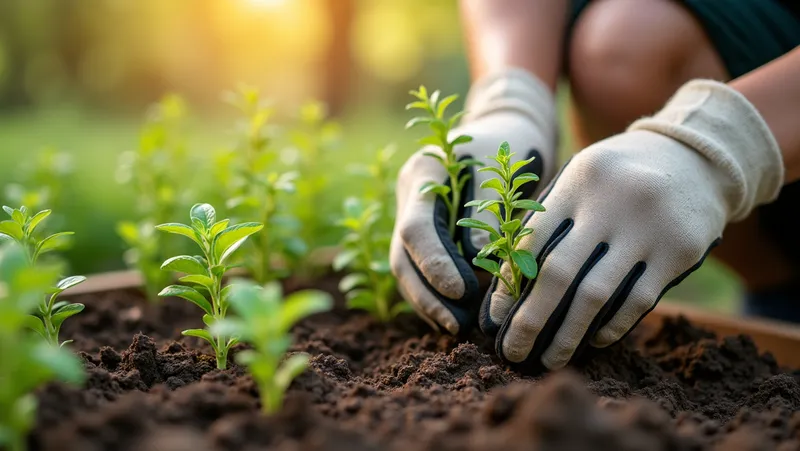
(630, 217)
(439, 283)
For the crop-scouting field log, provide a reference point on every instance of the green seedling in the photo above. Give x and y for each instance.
(434, 111)
(158, 172)
(255, 190)
(380, 183)
(41, 182)
(370, 284)
(505, 242)
(263, 320)
(203, 274)
(25, 362)
(50, 313)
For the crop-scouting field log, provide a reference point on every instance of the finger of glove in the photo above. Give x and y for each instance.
(423, 232)
(604, 286)
(531, 324)
(415, 291)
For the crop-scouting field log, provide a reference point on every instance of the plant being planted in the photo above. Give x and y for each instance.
(25, 362)
(370, 284)
(440, 126)
(203, 274)
(505, 242)
(264, 319)
(50, 314)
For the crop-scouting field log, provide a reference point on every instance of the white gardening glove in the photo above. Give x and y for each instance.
(438, 282)
(630, 217)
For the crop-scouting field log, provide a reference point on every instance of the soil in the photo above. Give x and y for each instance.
(402, 386)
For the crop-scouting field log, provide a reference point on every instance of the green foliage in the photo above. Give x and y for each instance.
(255, 190)
(369, 284)
(50, 313)
(158, 172)
(41, 181)
(440, 127)
(25, 362)
(505, 242)
(264, 319)
(379, 176)
(203, 275)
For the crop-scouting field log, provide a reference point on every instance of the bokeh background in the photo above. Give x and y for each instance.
(77, 79)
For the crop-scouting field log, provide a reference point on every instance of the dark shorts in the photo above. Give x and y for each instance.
(748, 34)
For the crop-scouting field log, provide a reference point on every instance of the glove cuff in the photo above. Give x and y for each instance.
(722, 125)
(513, 89)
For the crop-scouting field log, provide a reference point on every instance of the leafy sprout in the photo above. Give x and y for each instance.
(264, 319)
(203, 274)
(27, 362)
(50, 313)
(370, 284)
(440, 126)
(505, 242)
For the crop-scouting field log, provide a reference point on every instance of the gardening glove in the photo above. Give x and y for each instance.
(438, 281)
(630, 217)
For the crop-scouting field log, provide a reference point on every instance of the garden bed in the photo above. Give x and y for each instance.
(401, 386)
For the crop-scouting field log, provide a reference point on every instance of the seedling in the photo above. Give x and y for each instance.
(41, 182)
(380, 182)
(25, 362)
(264, 319)
(50, 313)
(440, 126)
(203, 274)
(504, 242)
(370, 284)
(159, 172)
(255, 190)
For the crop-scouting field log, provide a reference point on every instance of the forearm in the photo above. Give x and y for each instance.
(774, 89)
(520, 33)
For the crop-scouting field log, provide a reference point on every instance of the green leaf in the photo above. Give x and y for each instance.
(400, 307)
(219, 226)
(12, 229)
(301, 304)
(430, 140)
(526, 263)
(461, 139)
(353, 280)
(52, 242)
(185, 264)
(232, 237)
(487, 204)
(434, 155)
(179, 229)
(190, 294)
(362, 300)
(439, 127)
(442, 107)
(18, 216)
(8, 210)
(489, 248)
(380, 266)
(65, 312)
(290, 369)
(494, 184)
(499, 171)
(489, 265)
(418, 120)
(455, 118)
(504, 150)
(420, 105)
(511, 226)
(200, 333)
(199, 280)
(208, 320)
(67, 283)
(35, 323)
(63, 364)
(525, 231)
(438, 188)
(523, 179)
(36, 219)
(520, 164)
(344, 258)
(527, 204)
(471, 162)
(475, 224)
(204, 213)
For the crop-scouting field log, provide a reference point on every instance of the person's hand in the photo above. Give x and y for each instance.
(630, 217)
(439, 282)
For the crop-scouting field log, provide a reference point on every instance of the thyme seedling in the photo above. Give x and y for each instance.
(264, 319)
(203, 274)
(50, 314)
(440, 126)
(504, 242)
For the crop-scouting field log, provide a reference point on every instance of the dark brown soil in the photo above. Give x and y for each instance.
(401, 386)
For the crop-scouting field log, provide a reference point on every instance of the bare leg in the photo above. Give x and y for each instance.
(626, 58)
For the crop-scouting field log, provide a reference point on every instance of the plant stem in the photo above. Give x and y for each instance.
(508, 213)
(455, 188)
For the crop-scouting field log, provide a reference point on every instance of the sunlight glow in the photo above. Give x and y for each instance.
(268, 3)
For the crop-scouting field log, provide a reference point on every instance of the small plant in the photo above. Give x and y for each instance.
(254, 190)
(505, 241)
(264, 320)
(203, 274)
(25, 362)
(380, 183)
(51, 313)
(370, 284)
(41, 181)
(158, 172)
(434, 116)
